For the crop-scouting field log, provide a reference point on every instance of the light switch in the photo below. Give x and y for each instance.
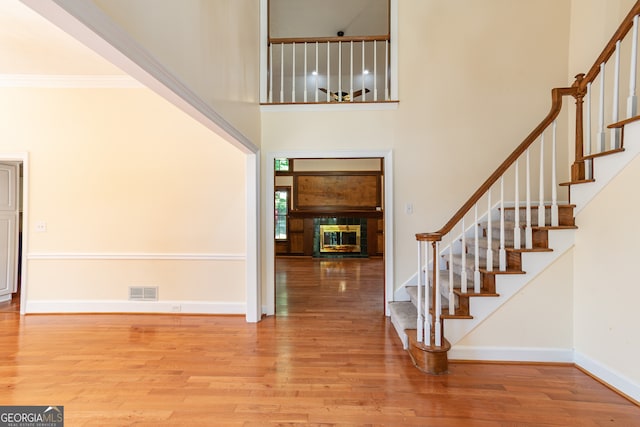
(408, 208)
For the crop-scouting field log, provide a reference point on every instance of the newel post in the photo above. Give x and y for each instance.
(578, 168)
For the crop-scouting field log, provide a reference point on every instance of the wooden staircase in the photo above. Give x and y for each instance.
(462, 268)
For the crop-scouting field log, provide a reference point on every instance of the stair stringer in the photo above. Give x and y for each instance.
(507, 285)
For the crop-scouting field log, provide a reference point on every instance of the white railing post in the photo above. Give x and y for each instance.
(541, 208)
(632, 100)
(364, 94)
(601, 135)
(476, 253)
(555, 221)
(502, 254)
(437, 312)
(452, 307)
(528, 231)
(516, 226)
(463, 259)
(340, 71)
(615, 132)
(489, 266)
(428, 304)
(421, 284)
(375, 71)
(589, 131)
(351, 73)
(328, 71)
(386, 71)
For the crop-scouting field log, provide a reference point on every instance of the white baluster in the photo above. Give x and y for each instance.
(452, 307)
(428, 303)
(587, 145)
(632, 100)
(615, 132)
(528, 231)
(489, 231)
(281, 72)
(328, 71)
(463, 259)
(270, 73)
(555, 220)
(601, 135)
(386, 71)
(317, 71)
(351, 73)
(305, 72)
(438, 303)
(364, 95)
(421, 284)
(541, 208)
(340, 71)
(293, 72)
(516, 227)
(375, 71)
(502, 254)
(476, 267)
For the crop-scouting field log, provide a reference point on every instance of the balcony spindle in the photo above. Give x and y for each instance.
(528, 231)
(615, 132)
(340, 71)
(555, 220)
(270, 73)
(328, 71)
(281, 72)
(516, 227)
(375, 71)
(293, 72)
(476, 252)
(502, 254)
(541, 208)
(305, 72)
(351, 72)
(601, 135)
(364, 94)
(386, 72)
(316, 73)
(632, 100)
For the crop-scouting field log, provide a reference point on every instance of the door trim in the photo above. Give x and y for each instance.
(24, 189)
(269, 260)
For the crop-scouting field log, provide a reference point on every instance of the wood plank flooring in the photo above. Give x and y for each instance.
(329, 358)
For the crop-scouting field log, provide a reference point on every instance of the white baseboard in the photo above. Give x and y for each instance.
(608, 375)
(511, 354)
(113, 306)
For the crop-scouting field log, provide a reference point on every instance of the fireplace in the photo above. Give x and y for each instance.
(340, 238)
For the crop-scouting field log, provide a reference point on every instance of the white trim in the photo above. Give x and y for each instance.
(133, 256)
(69, 81)
(333, 106)
(252, 267)
(89, 25)
(609, 375)
(122, 306)
(511, 354)
(387, 157)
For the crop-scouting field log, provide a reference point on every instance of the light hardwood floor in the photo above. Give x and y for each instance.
(329, 357)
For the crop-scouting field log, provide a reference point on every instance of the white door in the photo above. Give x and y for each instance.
(8, 229)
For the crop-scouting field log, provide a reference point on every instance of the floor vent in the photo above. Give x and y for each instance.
(143, 293)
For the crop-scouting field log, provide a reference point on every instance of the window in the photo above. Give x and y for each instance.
(281, 212)
(282, 165)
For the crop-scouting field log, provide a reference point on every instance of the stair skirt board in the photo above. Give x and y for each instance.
(511, 354)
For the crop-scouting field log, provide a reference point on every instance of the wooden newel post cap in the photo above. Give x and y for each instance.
(429, 237)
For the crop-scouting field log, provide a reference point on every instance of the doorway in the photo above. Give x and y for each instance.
(386, 260)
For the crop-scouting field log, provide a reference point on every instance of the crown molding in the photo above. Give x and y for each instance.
(69, 81)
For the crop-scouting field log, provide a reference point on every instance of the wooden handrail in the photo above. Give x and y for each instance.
(610, 48)
(289, 40)
(556, 106)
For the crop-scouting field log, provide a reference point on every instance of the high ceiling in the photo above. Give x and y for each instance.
(29, 44)
(324, 18)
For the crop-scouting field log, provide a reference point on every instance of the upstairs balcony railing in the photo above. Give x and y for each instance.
(328, 69)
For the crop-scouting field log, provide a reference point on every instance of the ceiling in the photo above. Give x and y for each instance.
(31, 45)
(313, 18)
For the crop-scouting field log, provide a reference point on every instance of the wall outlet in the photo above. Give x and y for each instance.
(176, 308)
(41, 226)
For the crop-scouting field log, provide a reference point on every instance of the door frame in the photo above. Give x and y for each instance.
(24, 190)
(269, 261)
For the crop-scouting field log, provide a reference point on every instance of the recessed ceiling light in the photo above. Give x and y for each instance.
(315, 73)
(365, 72)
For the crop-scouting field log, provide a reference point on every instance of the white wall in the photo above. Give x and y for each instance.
(211, 46)
(133, 192)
